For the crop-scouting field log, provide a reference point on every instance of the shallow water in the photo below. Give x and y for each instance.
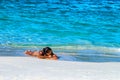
(73, 25)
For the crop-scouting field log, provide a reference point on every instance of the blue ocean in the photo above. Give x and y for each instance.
(76, 30)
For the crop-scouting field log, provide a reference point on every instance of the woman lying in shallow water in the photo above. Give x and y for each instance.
(45, 53)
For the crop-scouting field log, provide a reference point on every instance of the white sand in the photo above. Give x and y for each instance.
(29, 68)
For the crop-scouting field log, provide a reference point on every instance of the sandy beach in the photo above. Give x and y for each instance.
(29, 68)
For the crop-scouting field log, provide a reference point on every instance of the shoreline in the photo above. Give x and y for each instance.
(84, 55)
(29, 68)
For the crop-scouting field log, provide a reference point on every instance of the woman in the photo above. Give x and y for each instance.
(45, 53)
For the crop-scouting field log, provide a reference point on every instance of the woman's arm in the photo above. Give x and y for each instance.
(54, 57)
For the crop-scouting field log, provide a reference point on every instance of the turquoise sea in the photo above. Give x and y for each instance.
(77, 30)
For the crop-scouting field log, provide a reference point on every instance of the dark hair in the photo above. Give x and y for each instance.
(46, 50)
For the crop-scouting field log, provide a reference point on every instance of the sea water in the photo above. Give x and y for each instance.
(86, 29)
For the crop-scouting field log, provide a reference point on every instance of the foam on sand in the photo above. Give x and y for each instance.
(29, 68)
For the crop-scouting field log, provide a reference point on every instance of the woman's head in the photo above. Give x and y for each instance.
(47, 51)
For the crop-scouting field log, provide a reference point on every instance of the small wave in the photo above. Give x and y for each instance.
(70, 47)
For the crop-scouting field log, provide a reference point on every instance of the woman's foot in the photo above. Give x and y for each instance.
(29, 52)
